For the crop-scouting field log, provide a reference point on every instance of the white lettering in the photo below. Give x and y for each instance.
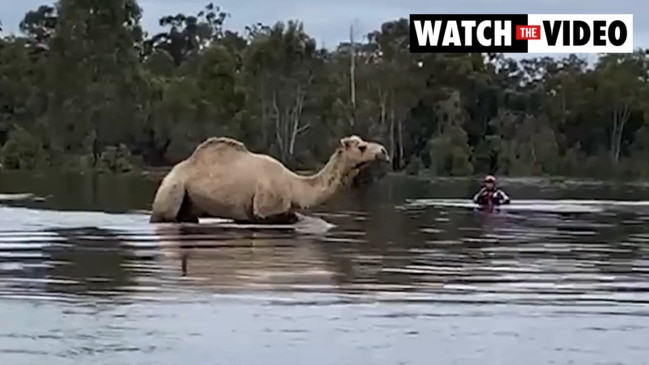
(582, 33)
(427, 35)
(480, 33)
(468, 31)
(502, 33)
(541, 33)
(452, 35)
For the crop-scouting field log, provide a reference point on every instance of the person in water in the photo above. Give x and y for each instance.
(489, 194)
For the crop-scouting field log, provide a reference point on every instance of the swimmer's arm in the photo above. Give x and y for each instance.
(504, 197)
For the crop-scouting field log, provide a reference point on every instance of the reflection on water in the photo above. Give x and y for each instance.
(395, 280)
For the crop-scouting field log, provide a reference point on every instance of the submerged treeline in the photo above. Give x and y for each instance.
(83, 86)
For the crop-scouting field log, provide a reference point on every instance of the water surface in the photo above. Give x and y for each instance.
(408, 274)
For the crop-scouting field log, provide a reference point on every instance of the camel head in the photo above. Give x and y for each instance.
(359, 154)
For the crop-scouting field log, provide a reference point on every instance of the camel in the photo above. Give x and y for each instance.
(223, 179)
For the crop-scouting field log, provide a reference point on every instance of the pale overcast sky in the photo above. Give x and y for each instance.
(329, 20)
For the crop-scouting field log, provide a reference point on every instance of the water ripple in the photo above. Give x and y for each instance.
(555, 278)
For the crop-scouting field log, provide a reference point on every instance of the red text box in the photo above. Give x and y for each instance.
(528, 32)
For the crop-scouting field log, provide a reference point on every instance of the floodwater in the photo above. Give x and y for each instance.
(407, 274)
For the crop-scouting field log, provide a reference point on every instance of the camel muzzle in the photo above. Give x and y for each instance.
(383, 156)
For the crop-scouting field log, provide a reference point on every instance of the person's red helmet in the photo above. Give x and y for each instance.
(489, 179)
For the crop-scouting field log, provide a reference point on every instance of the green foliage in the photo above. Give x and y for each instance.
(22, 151)
(84, 87)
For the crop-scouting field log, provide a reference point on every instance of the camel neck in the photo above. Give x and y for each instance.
(315, 189)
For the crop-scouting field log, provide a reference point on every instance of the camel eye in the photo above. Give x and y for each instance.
(362, 148)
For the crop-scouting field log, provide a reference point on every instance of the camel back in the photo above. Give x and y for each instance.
(215, 146)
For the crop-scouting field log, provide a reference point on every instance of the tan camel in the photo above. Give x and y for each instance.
(223, 179)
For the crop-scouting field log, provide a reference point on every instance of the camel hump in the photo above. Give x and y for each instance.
(220, 145)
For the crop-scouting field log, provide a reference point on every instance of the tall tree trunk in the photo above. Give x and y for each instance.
(620, 118)
(392, 142)
(352, 76)
(296, 120)
(400, 143)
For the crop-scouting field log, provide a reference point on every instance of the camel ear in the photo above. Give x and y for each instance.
(344, 142)
(348, 142)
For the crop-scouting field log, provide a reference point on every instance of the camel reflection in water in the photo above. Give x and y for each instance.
(216, 257)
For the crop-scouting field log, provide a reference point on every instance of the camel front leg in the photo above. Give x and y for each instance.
(270, 207)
